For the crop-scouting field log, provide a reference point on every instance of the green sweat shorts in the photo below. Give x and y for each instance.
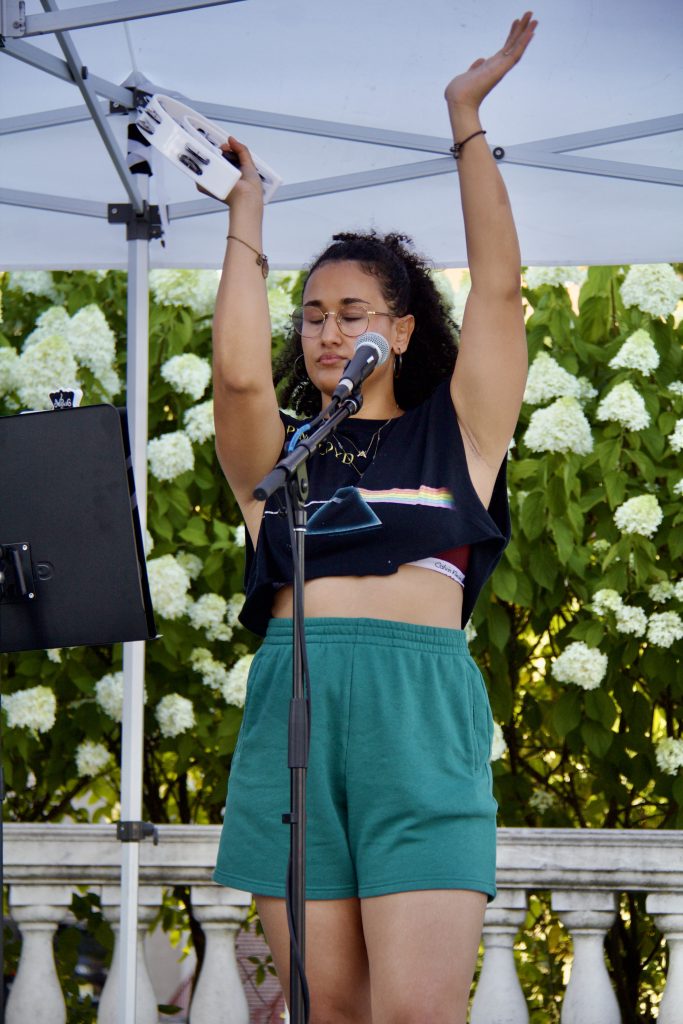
(399, 793)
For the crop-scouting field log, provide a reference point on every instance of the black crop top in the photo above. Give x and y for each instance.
(413, 500)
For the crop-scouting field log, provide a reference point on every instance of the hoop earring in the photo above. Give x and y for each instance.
(296, 365)
(398, 365)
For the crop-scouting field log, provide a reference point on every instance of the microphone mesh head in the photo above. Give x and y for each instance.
(378, 342)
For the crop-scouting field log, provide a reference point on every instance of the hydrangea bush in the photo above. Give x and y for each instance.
(579, 633)
(63, 709)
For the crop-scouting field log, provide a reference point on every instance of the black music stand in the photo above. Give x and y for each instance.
(72, 563)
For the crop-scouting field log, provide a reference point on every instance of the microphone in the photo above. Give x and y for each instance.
(371, 351)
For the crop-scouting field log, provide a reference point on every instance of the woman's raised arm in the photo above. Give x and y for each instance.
(490, 373)
(249, 432)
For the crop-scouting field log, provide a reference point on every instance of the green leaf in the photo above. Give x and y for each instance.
(597, 738)
(195, 532)
(600, 707)
(543, 566)
(533, 514)
(608, 453)
(504, 581)
(567, 712)
(564, 539)
(499, 626)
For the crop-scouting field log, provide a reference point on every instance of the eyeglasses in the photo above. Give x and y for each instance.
(352, 320)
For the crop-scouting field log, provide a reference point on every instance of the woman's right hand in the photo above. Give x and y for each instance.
(248, 191)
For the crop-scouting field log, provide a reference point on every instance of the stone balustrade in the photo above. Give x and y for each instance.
(584, 870)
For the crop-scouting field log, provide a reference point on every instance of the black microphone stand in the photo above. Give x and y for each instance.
(291, 474)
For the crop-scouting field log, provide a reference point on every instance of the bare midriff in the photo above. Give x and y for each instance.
(412, 594)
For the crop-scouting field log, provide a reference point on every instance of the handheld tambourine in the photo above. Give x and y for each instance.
(193, 144)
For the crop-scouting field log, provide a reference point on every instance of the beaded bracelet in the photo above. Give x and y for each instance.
(457, 146)
(261, 258)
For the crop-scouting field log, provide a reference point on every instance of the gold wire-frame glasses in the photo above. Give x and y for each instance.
(352, 320)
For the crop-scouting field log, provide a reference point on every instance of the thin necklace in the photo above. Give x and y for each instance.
(367, 452)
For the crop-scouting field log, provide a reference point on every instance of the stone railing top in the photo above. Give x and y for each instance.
(528, 859)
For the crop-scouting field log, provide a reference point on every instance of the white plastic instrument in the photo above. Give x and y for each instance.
(192, 143)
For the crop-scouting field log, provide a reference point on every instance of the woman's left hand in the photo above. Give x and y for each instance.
(469, 89)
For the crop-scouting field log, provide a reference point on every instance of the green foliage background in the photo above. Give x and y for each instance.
(590, 752)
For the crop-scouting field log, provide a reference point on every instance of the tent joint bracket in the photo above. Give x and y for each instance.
(136, 831)
(145, 225)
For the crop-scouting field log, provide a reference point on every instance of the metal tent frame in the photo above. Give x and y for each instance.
(102, 99)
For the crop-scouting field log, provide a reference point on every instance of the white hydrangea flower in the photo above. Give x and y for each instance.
(676, 387)
(41, 368)
(678, 488)
(640, 515)
(187, 374)
(235, 605)
(678, 590)
(170, 455)
(93, 344)
(498, 744)
(8, 362)
(109, 694)
(235, 687)
(199, 423)
(213, 673)
(280, 305)
(561, 427)
(547, 379)
(175, 715)
(653, 287)
(664, 628)
(168, 584)
(637, 353)
(669, 755)
(536, 276)
(33, 282)
(662, 592)
(631, 619)
(34, 709)
(54, 320)
(470, 632)
(541, 801)
(208, 613)
(605, 601)
(586, 390)
(676, 437)
(600, 544)
(239, 536)
(624, 405)
(149, 542)
(192, 564)
(55, 655)
(91, 758)
(195, 289)
(582, 665)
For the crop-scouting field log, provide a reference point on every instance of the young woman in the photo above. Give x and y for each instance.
(407, 517)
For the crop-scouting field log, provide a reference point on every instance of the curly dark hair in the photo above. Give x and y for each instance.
(408, 287)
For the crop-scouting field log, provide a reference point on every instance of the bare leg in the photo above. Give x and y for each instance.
(336, 958)
(422, 951)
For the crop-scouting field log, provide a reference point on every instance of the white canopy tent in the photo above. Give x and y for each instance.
(344, 101)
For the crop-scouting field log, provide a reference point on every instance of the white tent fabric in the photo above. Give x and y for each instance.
(344, 100)
(589, 123)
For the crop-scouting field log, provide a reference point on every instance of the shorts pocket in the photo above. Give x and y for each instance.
(482, 719)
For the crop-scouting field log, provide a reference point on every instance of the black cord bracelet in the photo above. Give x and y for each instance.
(457, 146)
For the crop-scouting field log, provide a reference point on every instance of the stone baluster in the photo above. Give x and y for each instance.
(667, 910)
(219, 996)
(36, 994)
(149, 900)
(498, 998)
(587, 915)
